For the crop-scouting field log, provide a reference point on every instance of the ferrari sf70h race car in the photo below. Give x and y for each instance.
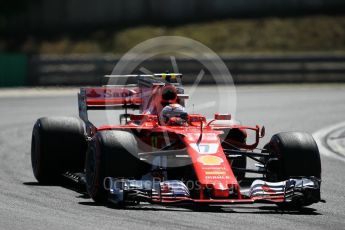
(165, 155)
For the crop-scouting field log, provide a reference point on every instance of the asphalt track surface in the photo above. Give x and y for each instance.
(26, 205)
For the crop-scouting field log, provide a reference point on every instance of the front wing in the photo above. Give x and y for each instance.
(304, 191)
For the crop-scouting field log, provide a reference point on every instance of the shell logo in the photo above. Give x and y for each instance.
(210, 160)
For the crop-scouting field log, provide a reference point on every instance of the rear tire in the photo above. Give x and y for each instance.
(58, 145)
(111, 154)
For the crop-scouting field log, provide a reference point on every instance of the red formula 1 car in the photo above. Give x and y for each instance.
(165, 155)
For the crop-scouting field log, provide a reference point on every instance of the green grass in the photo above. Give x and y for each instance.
(266, 35)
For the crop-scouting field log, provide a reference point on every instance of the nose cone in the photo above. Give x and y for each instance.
(220, 190)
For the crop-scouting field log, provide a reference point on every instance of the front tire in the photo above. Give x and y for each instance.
(294, 155)
(111, 154)
(297, 155)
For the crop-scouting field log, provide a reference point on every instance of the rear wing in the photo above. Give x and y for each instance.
(125, 92)
(122, 91)
(143, 79)
(110, 97)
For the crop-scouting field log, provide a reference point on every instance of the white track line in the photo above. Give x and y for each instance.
(320, 136)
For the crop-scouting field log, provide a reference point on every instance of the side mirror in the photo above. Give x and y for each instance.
(262, 132)
(223, 117)
(124, 118)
